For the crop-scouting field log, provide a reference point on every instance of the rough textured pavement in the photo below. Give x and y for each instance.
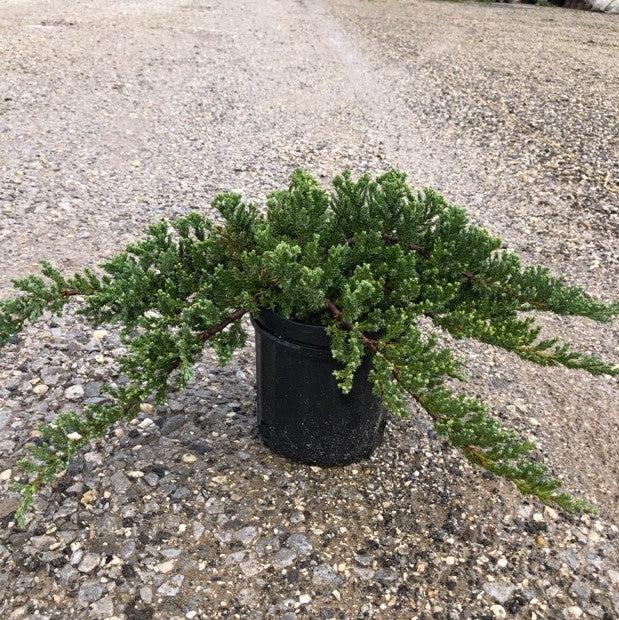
(114, 114)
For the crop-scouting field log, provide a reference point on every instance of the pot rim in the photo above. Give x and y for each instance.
(295, 331)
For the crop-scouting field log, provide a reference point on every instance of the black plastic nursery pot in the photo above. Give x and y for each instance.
(302, 413)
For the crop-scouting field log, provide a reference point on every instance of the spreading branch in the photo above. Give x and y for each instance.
(216, 329)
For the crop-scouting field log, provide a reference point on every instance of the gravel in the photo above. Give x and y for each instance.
(114, 114)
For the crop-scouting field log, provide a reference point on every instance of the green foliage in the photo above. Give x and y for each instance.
(375, 261)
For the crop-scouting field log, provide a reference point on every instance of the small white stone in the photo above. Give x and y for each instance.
(198, 530)
(304, 599)
(450, 560)
(99, 334)
(135, 474)
(551, 513)
(74, 436)
(89, 562)
(501, 563)
(146, 594)
(525, 512)
(146, 408)
(538, 517)
(145, 423)
(115, 561)
(498, 611)
(573, 612)
(40, 389)
(74, 392)
(6, 474)
(189, 458)
(165, 567)
(88, 498)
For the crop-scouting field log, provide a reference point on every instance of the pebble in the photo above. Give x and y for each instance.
(40, 389)
(128, 549)
(103, 608)
(284, 558)
(43, 542)
(500, 592)
(120, 482)
(99, 334)
(324, 576)
(386, 575)
(89, 562)
(251, 567)
(165, 567)
(571, 558)
(146, 594)
(300, 543)
(90, 591)
(551, 513)
(363, 573)
(224, 537)
(172, 586)
(245, 535)
(151, 479)
(173, 424)
(7, 445)
(68, 574)
(88, 497)
(170, 553)
(267, 544)
(363, 560)
(74, 392)
(297, 517)
(580, 589)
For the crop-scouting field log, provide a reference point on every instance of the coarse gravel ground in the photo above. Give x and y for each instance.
(116, 113)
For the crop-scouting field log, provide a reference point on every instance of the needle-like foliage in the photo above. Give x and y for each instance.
(375, 261)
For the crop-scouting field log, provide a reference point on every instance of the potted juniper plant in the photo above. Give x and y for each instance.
(351, 293)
